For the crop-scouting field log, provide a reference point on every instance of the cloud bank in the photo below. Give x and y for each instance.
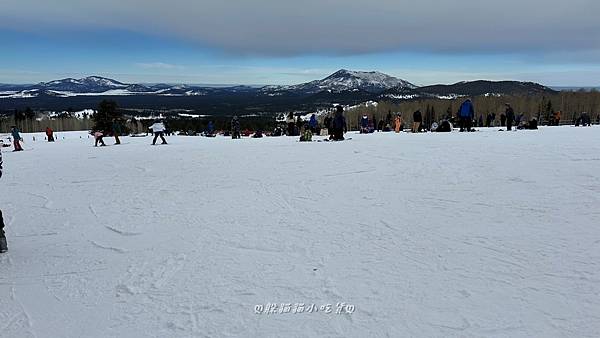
(338, 27)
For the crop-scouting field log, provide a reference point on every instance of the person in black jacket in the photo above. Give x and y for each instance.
(339, 124)
(3, 245)
(510, 116)
(417, 119)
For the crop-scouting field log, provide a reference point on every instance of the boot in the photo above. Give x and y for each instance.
(3, 246)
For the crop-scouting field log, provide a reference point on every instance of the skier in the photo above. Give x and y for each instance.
(3, 245)
(510, 116)
(339, 124)
(50, 134)
(98, 135)
(417, 119)
(158, 128)
(16, 138)
(465, 114)
(235, 128)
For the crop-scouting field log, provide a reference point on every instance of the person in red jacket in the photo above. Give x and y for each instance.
(50, 134)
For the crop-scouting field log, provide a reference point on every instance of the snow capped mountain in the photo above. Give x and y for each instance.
(91, 84)
(347, 80)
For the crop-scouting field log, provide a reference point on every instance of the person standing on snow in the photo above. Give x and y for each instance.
(235, 128)
(158, 128)
(16, 138)
(3, 245)
(510, 116)
(313, 123)
(339, 124)
(116, 129)
(50, 134)
(417, 119)
(398, 123)
(465, 114)
(98, 135)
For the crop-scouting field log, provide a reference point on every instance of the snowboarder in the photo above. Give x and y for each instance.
(3, 245)
(502, 120)
(98, 135)
(50, 134)
(339, 124)
(417, 119)
(158, 128)
(235, 128)
(465, 115)
(306, 135)
(16, 138)
(510, 116)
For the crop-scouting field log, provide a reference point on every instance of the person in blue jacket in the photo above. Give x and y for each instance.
(16, 138)
(210, 129)
(3, 246)
(465, 114)
(313, 123)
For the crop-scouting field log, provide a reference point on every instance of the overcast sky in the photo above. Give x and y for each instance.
(283, 42)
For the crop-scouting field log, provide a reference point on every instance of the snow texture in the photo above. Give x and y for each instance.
(487, 234)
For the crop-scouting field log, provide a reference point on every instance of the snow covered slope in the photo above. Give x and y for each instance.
(429, 235)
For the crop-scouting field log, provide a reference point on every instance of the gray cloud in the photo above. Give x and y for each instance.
(281, 28)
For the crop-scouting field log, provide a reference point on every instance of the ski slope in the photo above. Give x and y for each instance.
(488, 234)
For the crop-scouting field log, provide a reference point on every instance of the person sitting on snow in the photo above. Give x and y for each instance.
(306, 135)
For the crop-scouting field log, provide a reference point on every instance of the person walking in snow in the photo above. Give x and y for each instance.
(510, 116)
(339, 124)
(98, 135)
(116, 129)
(417, 119)
(3, 245)
(235, 128)
(50, 134)
(465, 115)
(16, 138)
(158, 128)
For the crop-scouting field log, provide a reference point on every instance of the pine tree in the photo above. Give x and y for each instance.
(108, 112)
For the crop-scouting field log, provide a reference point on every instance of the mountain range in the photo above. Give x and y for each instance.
(343, 86)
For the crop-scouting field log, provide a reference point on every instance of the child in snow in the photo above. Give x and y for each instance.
(3, 245)
(158, 128)
(16, 138)
(98, 135)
